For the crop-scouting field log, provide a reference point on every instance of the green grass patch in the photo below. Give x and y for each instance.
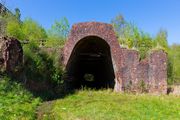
(16, 103)
(108, 105)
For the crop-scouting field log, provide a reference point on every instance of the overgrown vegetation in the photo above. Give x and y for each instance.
(31, 31)
(130, 36)
(41, 50)
(16, 102)
(108, 105)
(174, 67)
(42, 66)
(58, 33)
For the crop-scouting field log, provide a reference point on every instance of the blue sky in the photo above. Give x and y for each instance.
(148, 15)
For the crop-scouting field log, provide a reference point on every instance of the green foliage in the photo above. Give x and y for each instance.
(108, 105)
(60, 28)
(16, 102)
(41, 66)
(14, 29)
(26, 30)
(124, 30)
(33, 31)
(58, 33)
(161, 39)
(174, 65)
(144, 44)
(55, 41)
(170, 67)
(12, 25)
(130, 36)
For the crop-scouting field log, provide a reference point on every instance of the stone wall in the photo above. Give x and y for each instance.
(147, 75)
(102, 30)
(158, 72)
(131, 74)
(11, 56)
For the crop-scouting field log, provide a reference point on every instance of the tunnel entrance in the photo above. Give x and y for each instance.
(90, 64)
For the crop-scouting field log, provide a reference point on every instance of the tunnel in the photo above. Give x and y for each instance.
(90, 65)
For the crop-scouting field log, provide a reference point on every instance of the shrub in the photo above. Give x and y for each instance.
(42, 67)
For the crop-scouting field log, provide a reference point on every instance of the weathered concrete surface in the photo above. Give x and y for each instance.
(11, 56)
(148, 75)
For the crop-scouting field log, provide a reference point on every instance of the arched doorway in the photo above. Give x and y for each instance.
(90, 64)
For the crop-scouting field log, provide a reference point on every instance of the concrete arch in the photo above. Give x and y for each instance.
(99, 30)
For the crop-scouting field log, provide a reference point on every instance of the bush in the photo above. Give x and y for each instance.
(42, 67)
(55, 41)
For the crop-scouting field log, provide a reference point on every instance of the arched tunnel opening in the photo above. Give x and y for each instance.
(90, 65)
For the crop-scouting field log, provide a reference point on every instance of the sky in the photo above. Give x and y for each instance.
(149, 15)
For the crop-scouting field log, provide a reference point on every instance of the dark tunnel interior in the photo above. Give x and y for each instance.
(90, 65)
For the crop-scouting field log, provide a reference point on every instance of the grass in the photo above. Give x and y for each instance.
(108, 105)
(16, 103)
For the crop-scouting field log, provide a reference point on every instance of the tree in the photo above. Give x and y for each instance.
(118, 23)
(14, 29)
(58, 33)
(17, 14)
(161, 39)
(144, 44)
(130, 36)
(33, 31)
(13, 26)
(60, 28)
(10, 24)
(120, 27)
(174, 64)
